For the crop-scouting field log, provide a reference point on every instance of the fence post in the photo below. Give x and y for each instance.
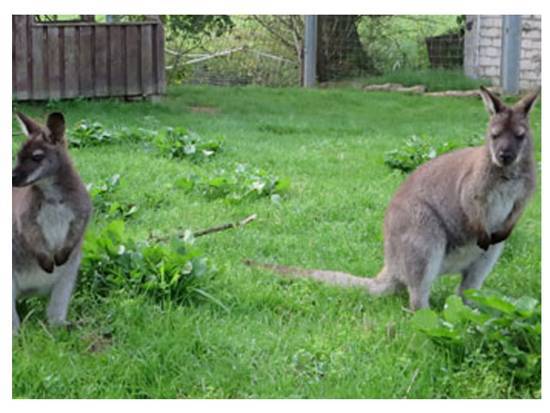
(310, 51)
(511, 49)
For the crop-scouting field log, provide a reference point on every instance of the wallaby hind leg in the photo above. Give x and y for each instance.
(14, 316)
(420, 269)
(475, 274)
(60, 297)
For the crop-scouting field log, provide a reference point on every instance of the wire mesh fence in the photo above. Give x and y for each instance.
(269, 50)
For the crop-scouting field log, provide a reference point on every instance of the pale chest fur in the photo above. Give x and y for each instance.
(501, 200)
(54, 219)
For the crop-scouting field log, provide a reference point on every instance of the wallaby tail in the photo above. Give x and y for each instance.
(382, 284)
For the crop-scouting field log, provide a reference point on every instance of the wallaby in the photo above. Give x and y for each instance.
(453, 214)
(50, 211)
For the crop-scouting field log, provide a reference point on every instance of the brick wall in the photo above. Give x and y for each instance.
(482, 49)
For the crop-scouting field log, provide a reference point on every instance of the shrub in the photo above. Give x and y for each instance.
(504, 330)
(113, 262)
(178, 143)
(240, 183)
(103, 202)
(87, 133)
(414, 152)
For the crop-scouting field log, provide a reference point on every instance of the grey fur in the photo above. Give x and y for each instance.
(453, 214)
(50, 210)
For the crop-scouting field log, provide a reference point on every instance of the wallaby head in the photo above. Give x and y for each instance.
(509, 136)
(44, 152)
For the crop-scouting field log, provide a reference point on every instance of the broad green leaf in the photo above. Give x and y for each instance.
(526, 306)
(502, 304)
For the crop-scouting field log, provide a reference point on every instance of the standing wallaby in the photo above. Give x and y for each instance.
(50, 211)
(454, 212)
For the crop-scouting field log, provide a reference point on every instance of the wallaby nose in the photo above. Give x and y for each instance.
(505, 157)
(15, 178)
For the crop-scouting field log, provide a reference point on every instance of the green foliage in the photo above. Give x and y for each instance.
(113, 262)
(237, 184)
(505, 330)
(103, 202)
(178, 143)
(196, 27)
(414, 152)
(185, 33)
(89, 133)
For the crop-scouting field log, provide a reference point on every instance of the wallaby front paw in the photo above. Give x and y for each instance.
(499, 236)
(45, 262)
(484, 242)
(62, 256)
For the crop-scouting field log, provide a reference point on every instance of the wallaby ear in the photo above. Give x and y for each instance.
(28, 126)
(492, 103)
(527, 103)
(56, 126)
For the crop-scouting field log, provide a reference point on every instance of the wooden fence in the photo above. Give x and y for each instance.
(65, 60)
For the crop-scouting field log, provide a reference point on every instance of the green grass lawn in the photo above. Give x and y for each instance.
(275, 338)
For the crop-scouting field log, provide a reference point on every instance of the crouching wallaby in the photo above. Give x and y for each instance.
(453, 213)
(50, 211)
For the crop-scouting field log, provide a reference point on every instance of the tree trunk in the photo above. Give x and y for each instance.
(340, 52)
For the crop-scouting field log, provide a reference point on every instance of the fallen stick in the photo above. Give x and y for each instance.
(460, 93)
(395, 87)
(210, 230)
(223, 227)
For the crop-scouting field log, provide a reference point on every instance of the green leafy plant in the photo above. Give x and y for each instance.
(414, 152)
(103, 202)
(241, 182)
(505, 330)
(179, 143)
(134, 135)
(175, 143)
(113, 262)
(89, 133)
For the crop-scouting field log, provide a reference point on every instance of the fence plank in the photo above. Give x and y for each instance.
(118, 73)
(39, 83)
(86, 63)
(147, 80)
(20, 62)
(133, 60)
(54, 64)
(71, 62)
(68, 60)
(160, 56)
(101, 46)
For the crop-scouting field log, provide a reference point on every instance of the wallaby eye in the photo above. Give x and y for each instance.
(37, 157)
(520, 136)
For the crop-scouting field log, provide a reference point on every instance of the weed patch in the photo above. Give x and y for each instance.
(417, 150)
(114, 262)
(236, 184)
(503, 331)
(102, 195)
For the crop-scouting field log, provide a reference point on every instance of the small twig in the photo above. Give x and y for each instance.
(46, 330)
(225, 226)
(413, 379)
(207, 231)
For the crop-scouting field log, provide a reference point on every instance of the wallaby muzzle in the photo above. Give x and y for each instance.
(18, 179)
